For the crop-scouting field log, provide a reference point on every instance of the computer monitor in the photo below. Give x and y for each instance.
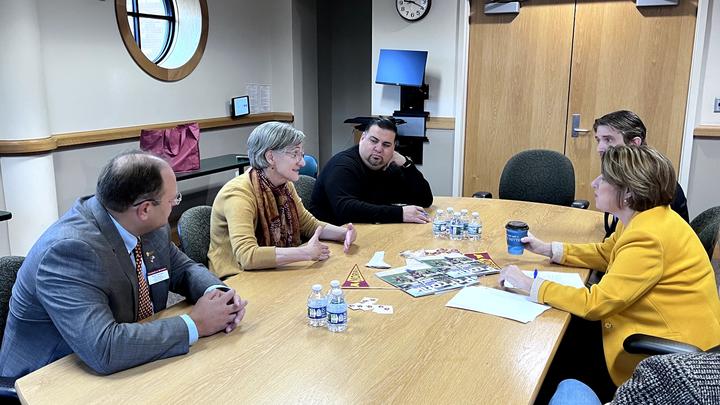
(240, 106)
(401, 67)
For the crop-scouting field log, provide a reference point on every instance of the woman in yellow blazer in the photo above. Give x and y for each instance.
(658, 279)
(258, 220)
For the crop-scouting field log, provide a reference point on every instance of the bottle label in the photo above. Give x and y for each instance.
(473, 229)
(438, 226)
(337, 313)
(337, 319)
(456, 229)
(316, 313)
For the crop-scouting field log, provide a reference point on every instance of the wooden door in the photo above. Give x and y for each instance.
(631, 59)
(518, 72)
(519, 78)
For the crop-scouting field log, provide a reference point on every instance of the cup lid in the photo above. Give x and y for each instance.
(518, 225)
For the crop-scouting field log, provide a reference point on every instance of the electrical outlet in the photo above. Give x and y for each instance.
(717, 105)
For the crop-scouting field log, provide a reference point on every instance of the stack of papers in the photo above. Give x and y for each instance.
(509, 305)
(497, 302)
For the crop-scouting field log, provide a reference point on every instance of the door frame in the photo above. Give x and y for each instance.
(694, 87)
(691, 106)
(461, 73)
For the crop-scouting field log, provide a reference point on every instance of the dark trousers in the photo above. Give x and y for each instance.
(579, 356)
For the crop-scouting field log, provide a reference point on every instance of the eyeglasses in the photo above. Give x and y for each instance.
(174, 202)
(298, 156)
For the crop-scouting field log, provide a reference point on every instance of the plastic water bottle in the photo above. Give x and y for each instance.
(456, 227)
(333, 285)
(475, 227)
(337, 312)
(465, 220)
(439, 224)
(317, 305)
(449, 215)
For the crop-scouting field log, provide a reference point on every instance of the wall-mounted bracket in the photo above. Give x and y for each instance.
(511, 7)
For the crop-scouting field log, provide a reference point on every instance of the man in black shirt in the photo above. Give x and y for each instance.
(625, 127)
(371, 182)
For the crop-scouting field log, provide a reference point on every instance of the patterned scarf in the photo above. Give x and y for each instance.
(278, 221)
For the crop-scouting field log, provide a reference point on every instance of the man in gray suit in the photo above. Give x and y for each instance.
(105, 265)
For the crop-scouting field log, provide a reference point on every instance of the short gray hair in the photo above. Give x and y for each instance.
(271, 135)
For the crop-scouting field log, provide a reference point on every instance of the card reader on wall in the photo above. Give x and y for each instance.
(240, 106)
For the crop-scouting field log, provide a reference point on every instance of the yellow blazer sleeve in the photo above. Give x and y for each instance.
(241, 215)
(594, 256)
(636, 268)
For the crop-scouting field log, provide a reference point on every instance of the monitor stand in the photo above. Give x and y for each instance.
(412, 101)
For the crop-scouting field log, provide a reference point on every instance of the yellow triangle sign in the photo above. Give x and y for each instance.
(355, 279)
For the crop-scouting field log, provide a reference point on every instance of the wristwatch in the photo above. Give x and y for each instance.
(408, 162)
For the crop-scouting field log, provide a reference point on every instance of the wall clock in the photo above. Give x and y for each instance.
(412, 10)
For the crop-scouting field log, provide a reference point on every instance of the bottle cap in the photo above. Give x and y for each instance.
(464, 211)
(475, 214)
(334, 284)
(317, 287)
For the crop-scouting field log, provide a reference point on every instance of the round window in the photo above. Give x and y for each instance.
(166, 38)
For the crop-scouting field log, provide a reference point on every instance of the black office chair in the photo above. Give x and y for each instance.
(194, 233)
(538, 175)
(304, 187)
(706, 226)
(9, 266)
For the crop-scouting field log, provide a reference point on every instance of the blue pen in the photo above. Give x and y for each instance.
(535, 274)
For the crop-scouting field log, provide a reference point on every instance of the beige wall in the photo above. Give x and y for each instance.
(703, 189)
(92, 83)
(436, 33)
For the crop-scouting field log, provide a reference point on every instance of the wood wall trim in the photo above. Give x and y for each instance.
(440, 123)
(707, 131)
(57, 141)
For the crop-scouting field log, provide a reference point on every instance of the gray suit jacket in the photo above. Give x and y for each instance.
(77, 291)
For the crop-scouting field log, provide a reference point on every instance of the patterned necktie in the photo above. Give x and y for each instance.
(145, 309)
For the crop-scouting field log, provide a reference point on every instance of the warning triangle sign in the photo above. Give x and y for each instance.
(355, 279)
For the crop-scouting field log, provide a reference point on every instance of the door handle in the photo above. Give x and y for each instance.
(576, 130)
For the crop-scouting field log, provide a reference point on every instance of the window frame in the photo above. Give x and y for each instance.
(170, 18)
(150, 67)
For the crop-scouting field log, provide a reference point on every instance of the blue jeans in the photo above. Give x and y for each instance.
(574, 392)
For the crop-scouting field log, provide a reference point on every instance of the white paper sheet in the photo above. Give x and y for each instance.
(378, 261)
(497, 302)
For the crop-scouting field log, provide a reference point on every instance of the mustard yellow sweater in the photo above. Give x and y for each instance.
(658, 281)
(233, 245)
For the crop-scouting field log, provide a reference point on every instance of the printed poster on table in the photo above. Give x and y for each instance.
(440, 273)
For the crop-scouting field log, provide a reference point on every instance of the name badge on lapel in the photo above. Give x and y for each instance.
(158, 275)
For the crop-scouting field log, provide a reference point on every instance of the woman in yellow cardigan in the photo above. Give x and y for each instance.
(258, 219)
(658, 279)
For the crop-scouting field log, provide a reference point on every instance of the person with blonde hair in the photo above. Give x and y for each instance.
(658, 279)
(258, 220)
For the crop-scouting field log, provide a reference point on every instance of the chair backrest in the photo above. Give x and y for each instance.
(304, 187)
(194, 233)
(311, 166)
(9, 266)
(706, 226)
(538, 175)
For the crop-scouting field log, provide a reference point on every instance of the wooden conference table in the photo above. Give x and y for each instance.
(423, 353)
